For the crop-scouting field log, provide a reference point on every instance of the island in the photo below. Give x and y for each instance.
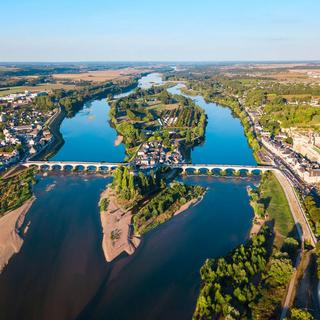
(137, 202)
(158, 127)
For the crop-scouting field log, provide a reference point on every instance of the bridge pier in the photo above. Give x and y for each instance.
(109, 167)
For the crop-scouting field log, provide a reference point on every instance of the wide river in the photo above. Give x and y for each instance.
(60, 272)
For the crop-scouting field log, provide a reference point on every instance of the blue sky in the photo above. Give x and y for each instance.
(166, 30)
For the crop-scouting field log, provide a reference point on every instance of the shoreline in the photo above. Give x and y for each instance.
(257, 223)
(10, 239)
(118, 222)
(115, 220)
(189, 204)
(54, 125)
(53, 147)
(118, 140)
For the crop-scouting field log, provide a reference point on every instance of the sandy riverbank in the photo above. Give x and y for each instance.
(188, 204)
(257, 223)
(10, 240)
(118, 140)
(116, 221)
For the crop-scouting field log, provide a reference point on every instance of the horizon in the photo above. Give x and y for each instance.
(144, 31)
(163, 61)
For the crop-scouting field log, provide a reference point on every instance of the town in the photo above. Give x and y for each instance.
(153, 153)
(24, 127)
(302, 155)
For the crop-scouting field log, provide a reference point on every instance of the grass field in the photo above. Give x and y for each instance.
(37, 88)
(277, 207)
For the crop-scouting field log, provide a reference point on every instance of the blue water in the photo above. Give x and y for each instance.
(60, 273)
(89, 137)
(225, 142)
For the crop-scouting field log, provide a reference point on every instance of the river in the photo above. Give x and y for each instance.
(60, 272)
(224, 140)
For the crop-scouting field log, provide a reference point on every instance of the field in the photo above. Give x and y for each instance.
(277, 207)
(101, 75)
(288, 73)
(37, 88)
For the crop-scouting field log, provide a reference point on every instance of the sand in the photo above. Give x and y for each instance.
(10, 240)
(118, 140)
(257, 223)
(117, 220)
(188, 205)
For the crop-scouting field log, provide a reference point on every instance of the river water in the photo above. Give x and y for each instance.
(60, 272)
(88, 135)
(224, 142)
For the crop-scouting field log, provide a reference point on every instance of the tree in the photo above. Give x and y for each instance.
(299, 314)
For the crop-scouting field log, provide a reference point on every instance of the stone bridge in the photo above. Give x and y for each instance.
(73, 165)
(109, 166)
(211, 168)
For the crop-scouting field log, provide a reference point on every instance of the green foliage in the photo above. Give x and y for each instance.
(228, 284)
(317, 252)
(139, 111)
(103, 204)
(299, 314)
(291, 246)
(72, 104)
(129, 132)
(132, 187)
(44, 102)
(313, 213)
(14, 191)
(163, 205)
(256, 98)
(276, 206)
(290, 115)
(280, 271)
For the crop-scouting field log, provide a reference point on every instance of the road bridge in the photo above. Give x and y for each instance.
(109, 166)
(300, 219)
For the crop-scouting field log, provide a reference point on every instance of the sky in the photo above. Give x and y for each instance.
(159, 30)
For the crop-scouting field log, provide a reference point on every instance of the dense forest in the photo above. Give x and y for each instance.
(247, 284)
(132, 187)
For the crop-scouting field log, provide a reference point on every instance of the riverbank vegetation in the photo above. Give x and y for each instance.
(249, 283)
(269, 202)
(155, 114)
(212, 92)
(299, 314)
(15, 190)
(72, 100)
(131, 187)
(164, 205)
(150, 198)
